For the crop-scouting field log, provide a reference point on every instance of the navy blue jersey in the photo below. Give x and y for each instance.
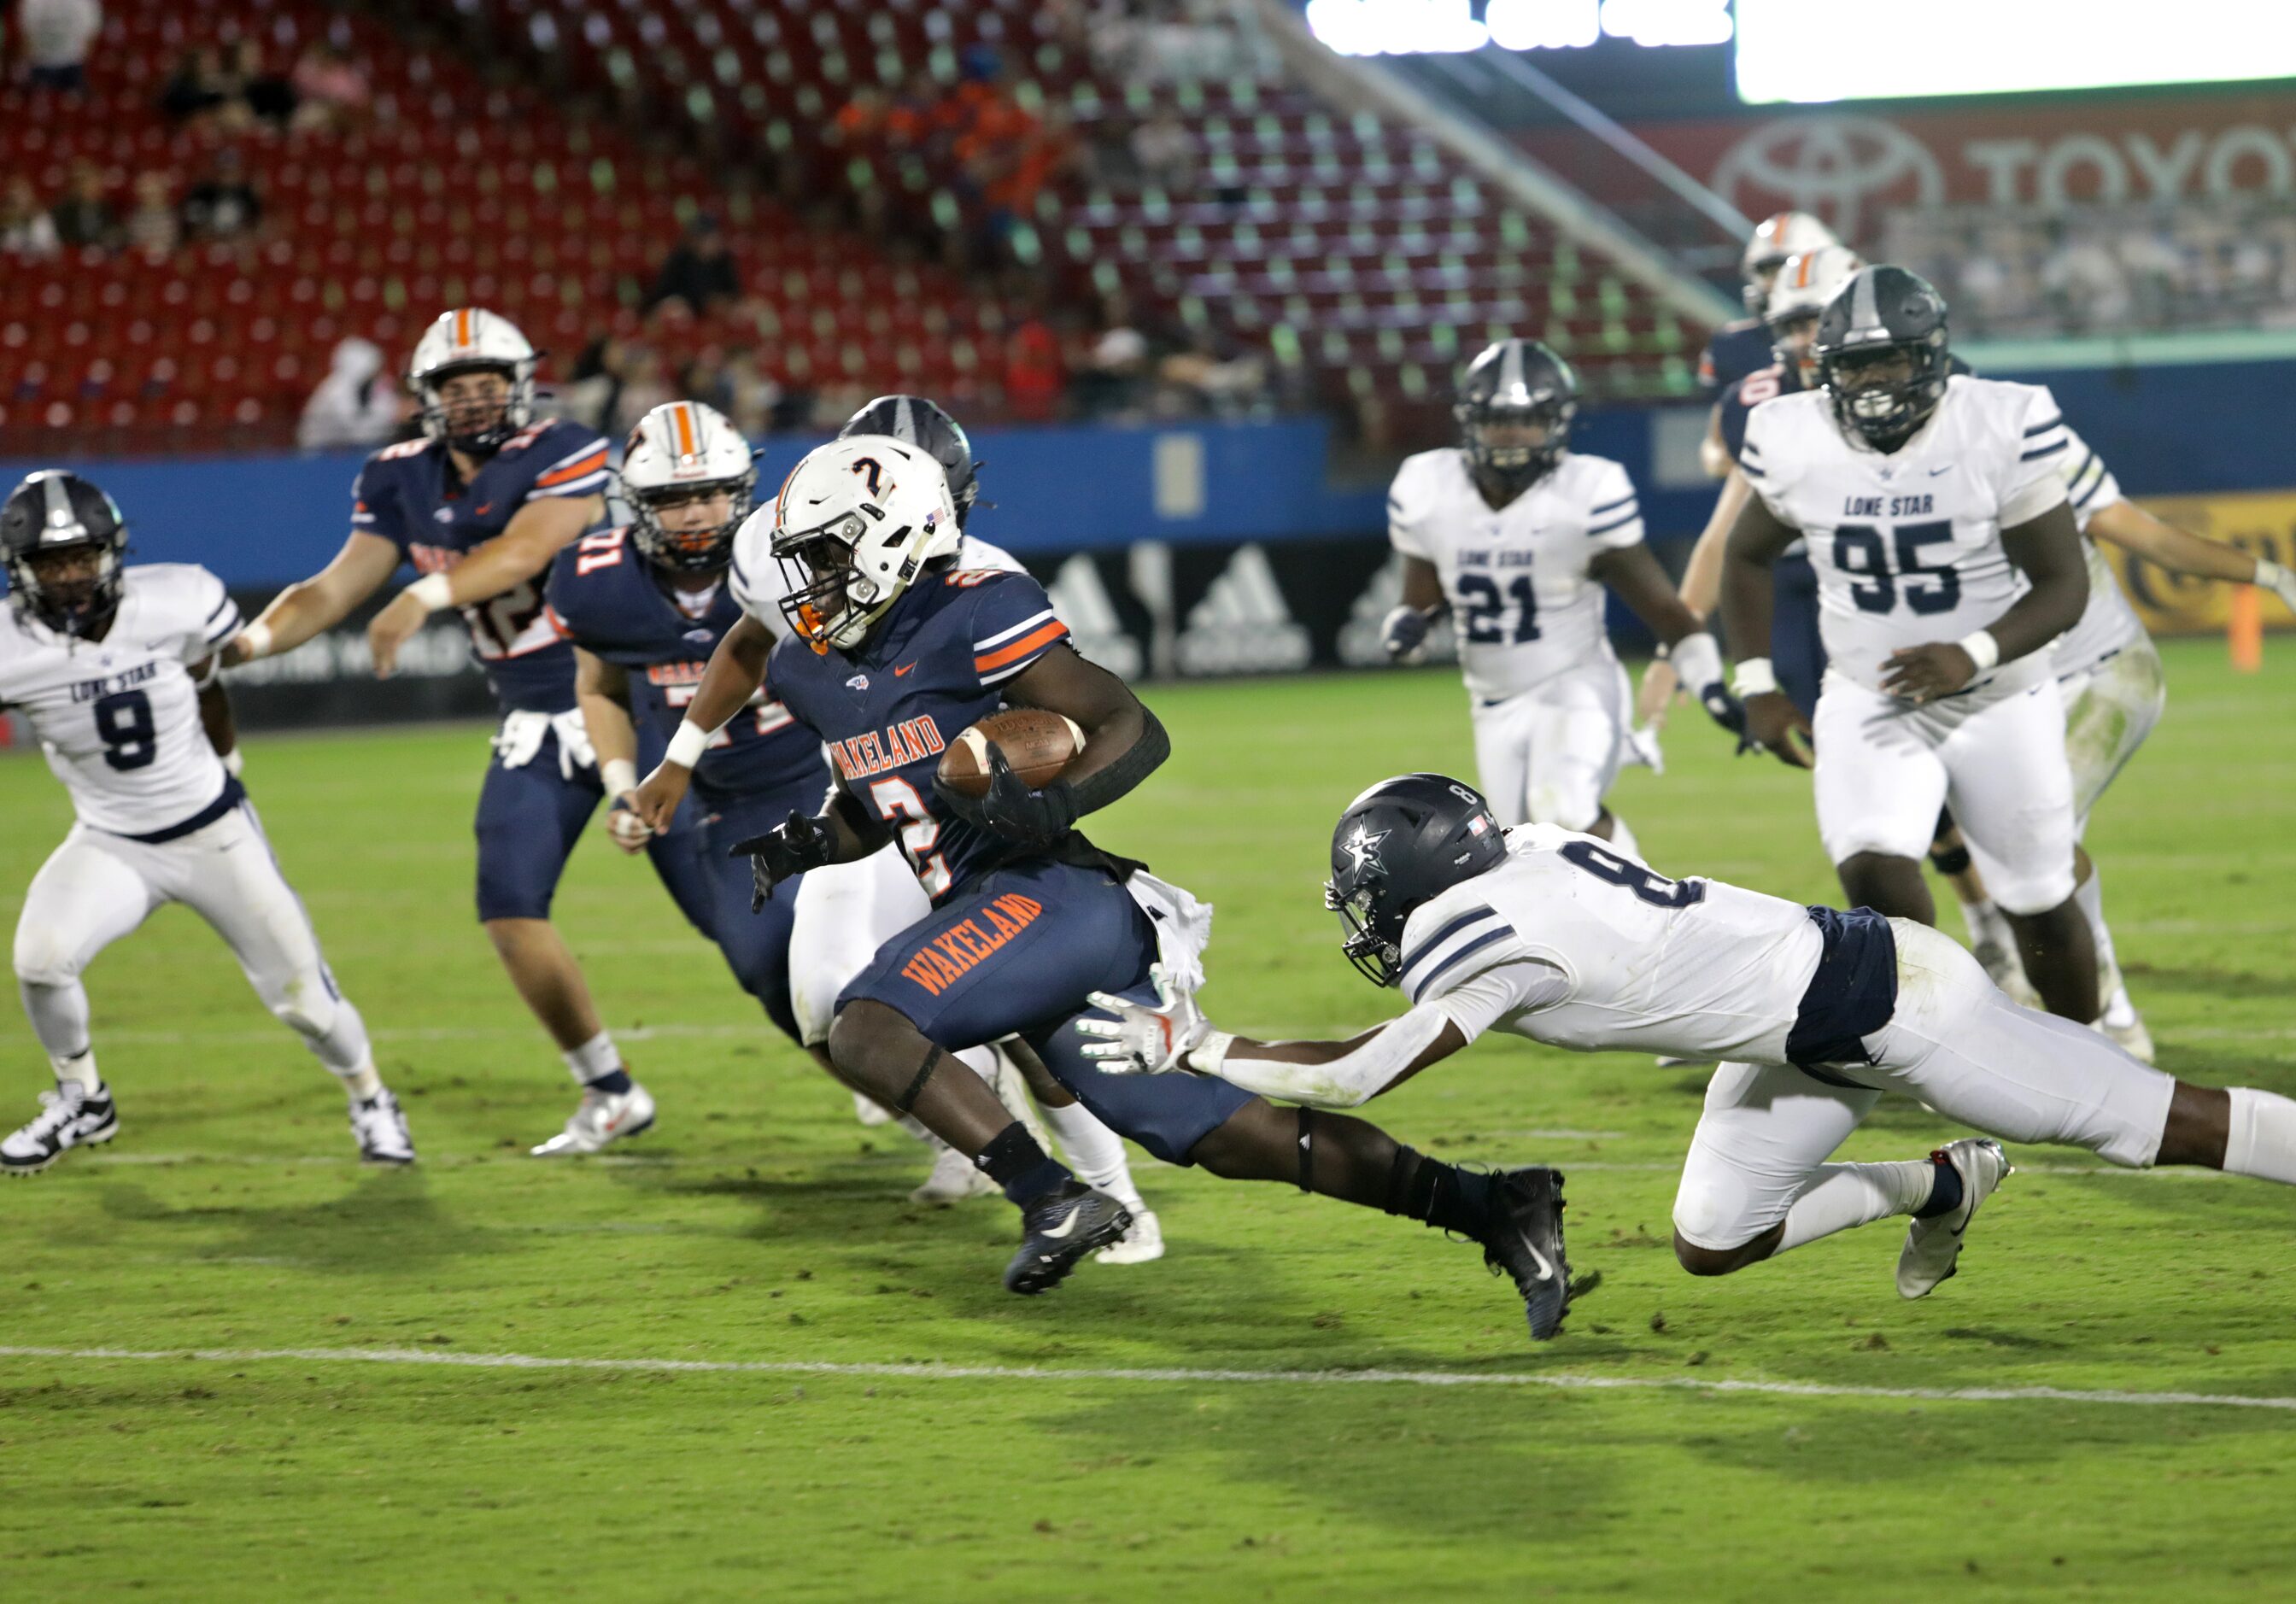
(930, 670)
(1743, 395)
(604, 597)
(410, 495)
(1733, 351)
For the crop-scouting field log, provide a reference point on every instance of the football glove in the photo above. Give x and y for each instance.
(801, 843)
(1698, 664)
(1141, 1040)
(1404, 634)
(1034, 819)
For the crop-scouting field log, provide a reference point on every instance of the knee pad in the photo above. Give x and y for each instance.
(40, 962)
(306, 1016)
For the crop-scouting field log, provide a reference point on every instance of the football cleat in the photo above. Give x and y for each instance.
(1057, 1229)
(1142, 1240)
(955, 1178)
(2130, 1037)
(1526, 1242)
(604, 1117)
(68, 1118)
(1932, 1248)
(868, 1112)
(380, 1128)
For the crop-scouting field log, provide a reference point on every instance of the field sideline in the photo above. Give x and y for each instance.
(735, 1363)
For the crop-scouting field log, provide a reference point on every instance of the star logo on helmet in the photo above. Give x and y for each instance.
(1363, 848)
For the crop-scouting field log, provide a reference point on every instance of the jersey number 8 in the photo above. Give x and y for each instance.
(1655, 889)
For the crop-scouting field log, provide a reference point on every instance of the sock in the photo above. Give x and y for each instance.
(1945, 1189)
(344, 1048)
(1013, 1161)
(1623, 838)
(2090, 894)
(59, 1017)
(1984, 923)
(1841, 1196)
(1444, 1195)
(597, 1065)
(1094, 1151)
(2260, 1135)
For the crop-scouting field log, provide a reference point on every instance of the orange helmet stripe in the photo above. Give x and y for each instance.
(462, 325)
(682, 415)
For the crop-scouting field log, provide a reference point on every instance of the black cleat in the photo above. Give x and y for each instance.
(1526, 1241)
(1057, 1229)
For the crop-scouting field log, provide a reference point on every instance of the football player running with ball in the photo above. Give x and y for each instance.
(1947, 561)
(1517, 535)
(1813, 1013)
(114, 669)
(892, 654)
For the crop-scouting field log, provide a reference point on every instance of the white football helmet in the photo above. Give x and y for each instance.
(856, 523)
(465, 339)
(682, 452)
(1776, 237)
(1799, 293)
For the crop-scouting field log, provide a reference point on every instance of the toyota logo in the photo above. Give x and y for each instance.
(1830, 165)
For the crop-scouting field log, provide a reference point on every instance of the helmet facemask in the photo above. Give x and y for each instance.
(1377, 957)
(830, 601)
(79, 591)
(1886, 390)
(1515, 445)
(476, 418)
(669, 535)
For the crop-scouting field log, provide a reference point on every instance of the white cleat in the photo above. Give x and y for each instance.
(1932, 1248)
(69, 1116)
(1142, 1240)
(604, 1117)
(955, 1178)
(2131, 1037)
(868, 1113)
(380, 1128)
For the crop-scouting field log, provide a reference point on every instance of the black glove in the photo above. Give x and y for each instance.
(1727, 711)
(1404, 632)
(1034, 819)
(801, 843)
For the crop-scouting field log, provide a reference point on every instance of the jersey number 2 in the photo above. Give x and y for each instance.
(1484, 609)
(1655, 889)
(899, 805)
(123, 720)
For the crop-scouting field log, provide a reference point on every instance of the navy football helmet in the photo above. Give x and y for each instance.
(1882, 354)
(1404, 842)
(917, 421)
(53, 513)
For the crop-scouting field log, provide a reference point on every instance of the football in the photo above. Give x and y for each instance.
(1038, 745)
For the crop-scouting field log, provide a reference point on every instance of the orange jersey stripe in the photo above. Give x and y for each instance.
(574, 470)
(1035, 640)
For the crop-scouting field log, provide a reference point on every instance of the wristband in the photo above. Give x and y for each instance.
(1210, 1056)
(1755, 677)
(621, 776)
(434, 591)
(686, 747)
(257, 637)
(1983, 650)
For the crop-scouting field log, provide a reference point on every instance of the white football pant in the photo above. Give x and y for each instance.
(1548, 755)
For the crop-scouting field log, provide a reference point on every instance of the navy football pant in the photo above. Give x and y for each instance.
(1015, 953)
(712, 890)
(529, 818)
(1797, 653)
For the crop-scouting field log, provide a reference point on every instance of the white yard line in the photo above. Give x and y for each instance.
(1031, 1373)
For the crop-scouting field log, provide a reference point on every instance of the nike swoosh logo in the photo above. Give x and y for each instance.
(903, 669)
(1067, 1227)
(1545, 1269)
(1946, 468)
(481, 512)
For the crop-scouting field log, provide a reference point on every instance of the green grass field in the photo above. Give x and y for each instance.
(293, 1413)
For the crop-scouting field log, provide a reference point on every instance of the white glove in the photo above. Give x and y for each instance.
(2279, 579)
(1141, 1040)
(630, 832)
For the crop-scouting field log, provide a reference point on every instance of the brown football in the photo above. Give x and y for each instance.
(1038, 744)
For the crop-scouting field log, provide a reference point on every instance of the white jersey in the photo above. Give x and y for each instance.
(119, 718)
(1574, 944)
(760, 583)
(1906, 544)
(1523, 603)
(2108, 625)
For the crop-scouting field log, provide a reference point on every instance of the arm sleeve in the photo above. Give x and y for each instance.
(1614, 516)
(1013, 624)
(2035, 480)
(1404, 531)
(573, 462)
(2089, 484)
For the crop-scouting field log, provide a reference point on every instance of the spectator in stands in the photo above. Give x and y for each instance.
(746, 394)
(57, 34)
(330, 93)
(354, 407)
(198, 89)
(223, 205)
(2083, 281)
(1033, 372)
(617, 383)
(153, 225)
(84, 216)
(267, 95)
(27, 232)
(699, 272)
(1112, 380)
